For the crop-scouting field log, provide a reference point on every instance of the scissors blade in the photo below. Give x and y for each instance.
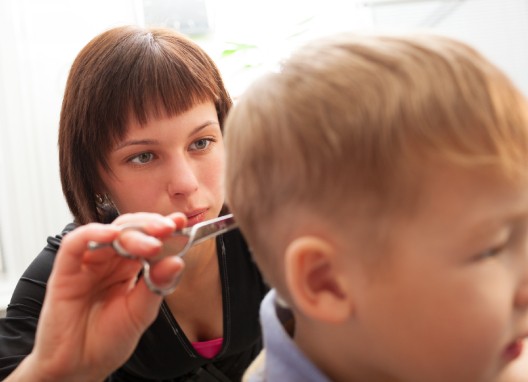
(210, 228)
(180, 241)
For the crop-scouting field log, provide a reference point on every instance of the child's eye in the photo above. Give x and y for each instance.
(201, 144)
(142, 158)
(491, 252)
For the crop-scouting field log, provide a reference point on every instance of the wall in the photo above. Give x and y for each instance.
(38, 42)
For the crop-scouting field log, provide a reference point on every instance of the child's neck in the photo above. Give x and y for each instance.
(333, 350)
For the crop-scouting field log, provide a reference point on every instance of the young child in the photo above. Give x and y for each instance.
(382, 183)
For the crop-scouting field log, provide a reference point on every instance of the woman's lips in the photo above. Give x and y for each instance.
(195, 217)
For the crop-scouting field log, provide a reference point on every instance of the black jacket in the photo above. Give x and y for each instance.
(163, 352)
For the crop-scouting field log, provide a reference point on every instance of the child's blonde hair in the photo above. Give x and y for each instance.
(347, 122)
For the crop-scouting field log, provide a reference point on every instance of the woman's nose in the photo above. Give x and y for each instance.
(182, 178)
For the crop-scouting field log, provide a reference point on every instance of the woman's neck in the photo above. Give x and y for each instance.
(197, 301)
(199, 259)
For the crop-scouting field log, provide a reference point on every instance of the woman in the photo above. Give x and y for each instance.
(141, 130)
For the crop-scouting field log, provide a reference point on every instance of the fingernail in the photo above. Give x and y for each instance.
(151, 242)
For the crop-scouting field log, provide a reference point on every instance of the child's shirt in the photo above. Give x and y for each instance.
(283, 360)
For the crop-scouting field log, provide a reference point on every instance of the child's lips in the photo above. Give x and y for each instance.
(514, 349)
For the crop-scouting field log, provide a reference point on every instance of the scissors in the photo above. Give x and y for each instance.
(177, 243)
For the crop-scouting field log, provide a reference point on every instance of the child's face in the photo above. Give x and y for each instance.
(450, 300)
(170, 164)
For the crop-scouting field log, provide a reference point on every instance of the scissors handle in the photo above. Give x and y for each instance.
(185, 239)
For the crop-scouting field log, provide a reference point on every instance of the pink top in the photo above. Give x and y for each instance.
(208, 349)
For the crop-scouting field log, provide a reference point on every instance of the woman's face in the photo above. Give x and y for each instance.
(169, 165)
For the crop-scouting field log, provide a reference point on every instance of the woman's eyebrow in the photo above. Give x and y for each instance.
(203, 125)
(135, 142)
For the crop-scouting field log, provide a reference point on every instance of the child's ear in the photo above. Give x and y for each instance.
(316, 281)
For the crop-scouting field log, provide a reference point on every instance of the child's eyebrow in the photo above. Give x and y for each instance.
(484, 224)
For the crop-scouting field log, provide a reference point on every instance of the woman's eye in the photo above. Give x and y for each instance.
(200, 144)
(142, 158)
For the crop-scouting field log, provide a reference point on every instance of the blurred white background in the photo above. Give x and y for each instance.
(39, 40)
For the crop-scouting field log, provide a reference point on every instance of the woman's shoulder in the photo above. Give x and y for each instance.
(30, 290)
(36, 275)
(40, 267)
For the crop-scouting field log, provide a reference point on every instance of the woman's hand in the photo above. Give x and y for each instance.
(95, 309)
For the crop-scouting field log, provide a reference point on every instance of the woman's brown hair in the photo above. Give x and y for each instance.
(123, 73)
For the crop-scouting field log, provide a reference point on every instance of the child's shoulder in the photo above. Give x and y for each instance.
(256, 371)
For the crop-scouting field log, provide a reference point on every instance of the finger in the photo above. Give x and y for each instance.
(151, 223)
(69, 258)
(179, 219)
(142, 302)
(139, 244)
(143, 305)
(107, 260)
(164, 272)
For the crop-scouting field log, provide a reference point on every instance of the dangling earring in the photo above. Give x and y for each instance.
(100, 200)
(105, 205)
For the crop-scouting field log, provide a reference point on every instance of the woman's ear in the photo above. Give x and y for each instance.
(316, 280)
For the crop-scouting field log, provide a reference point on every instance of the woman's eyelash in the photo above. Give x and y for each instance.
(208, 141)
(147, 156)
(141, 158)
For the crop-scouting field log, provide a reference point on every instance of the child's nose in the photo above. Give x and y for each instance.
(521, 297)
(182, 179)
